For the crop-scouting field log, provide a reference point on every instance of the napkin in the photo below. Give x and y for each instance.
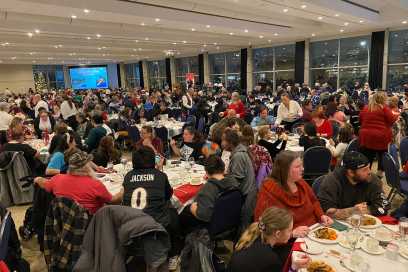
(389, 220)
(339, 226)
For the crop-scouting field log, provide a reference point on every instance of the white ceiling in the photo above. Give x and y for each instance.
(131, 30)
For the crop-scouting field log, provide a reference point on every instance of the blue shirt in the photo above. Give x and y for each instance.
(258, 121)
(57, 161)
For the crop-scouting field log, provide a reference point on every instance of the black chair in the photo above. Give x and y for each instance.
(316, 162)
(226, 217)
(134, 134)
(393, 151)
(5, 230)
(392, 176)
(316, 184)
(297, 128)
(163, 134)
(354, 145)
(404, 150)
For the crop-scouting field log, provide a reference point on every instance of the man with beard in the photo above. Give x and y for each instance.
(351, 188)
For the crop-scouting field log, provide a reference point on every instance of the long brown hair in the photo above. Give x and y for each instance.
(377, 101)
(272, 220)
(247, 138)
(281, 167)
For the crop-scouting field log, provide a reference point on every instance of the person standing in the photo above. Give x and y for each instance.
(68, 112)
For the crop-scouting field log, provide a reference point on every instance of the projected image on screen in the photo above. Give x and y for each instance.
(89, 78)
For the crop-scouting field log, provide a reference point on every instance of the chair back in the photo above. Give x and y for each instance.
(227, 213)
(316, 184)
(393, 151)
(404, 150)
(336, 129)
(391, 170)
(134, 134)
(5, 230)
(354, 145)
(316, 161)
(297, 128)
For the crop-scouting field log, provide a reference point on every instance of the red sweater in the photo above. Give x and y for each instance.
(326, 128)
(303, 204)
(238, 107)
(375, 128)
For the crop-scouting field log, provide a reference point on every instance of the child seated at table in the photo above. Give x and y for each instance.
(309, 138)
(148, 189)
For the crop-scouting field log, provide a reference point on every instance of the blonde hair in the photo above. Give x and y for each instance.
(272, 220)
(377, 101)
(263, 132)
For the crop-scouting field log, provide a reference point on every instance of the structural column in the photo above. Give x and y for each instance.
(385, 60)
(67, 77)
(122, 75)
(145, 75)
(300, 62)
(375, 68)
(206, 68)
(249, 70)
(306, 75)
(173, 70)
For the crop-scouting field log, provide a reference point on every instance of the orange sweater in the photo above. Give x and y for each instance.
(303, 204)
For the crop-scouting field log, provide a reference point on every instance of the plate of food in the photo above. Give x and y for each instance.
(319, 266)
(372, 246)
(369, 222)
(324, 235)
(404, 251)
(346, 244)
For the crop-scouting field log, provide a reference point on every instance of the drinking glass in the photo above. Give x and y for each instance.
(123, 162)
(353, 236)
(403, 228)
(355, 220)
(191, 162)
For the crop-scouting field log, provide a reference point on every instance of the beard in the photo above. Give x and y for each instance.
(359, 180)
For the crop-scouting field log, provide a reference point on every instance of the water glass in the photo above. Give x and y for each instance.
(391, 252)
(191, 162)
(123, 162)
(355, 220)
(403, 228)
(353, 236)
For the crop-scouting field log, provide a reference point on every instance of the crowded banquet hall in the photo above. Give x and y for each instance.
(204, 136)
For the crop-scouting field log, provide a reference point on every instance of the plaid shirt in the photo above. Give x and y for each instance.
(65, 228)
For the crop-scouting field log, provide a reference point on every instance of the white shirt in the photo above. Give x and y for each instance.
(5, 120)
(67, 111)
(293, 113)
(185, 101)
(40, 104)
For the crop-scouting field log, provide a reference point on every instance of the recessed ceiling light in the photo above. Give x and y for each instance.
(50, 58)
(313, 34)
(174, 43)
(73, 16)
(207, 26)
(346, 24)
(204, 45)
(285, 10)
(184, 41)
(34, 61)
(103, 47)
(336, 15)
(55, 46)
(341, 30)
(361, 21)
(86, 10)
(275, 34)
(404, 22)
(269, 41)
(98, 35)
(136, 40)
(142, 23)
(140, 49)
(31, 53)
(13, 58)
(218, 48)
(215, 43)
(303, 6)
(37, 31)
(99, 48)
(320, 18)
(29, 34)
(193, 29)
(246, 30)
(147, 38)
(231, 33)
(157, 20)
(261, 37)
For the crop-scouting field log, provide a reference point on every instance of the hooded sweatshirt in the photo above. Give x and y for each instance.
(208, 195)
(303, 204)
(241, 168)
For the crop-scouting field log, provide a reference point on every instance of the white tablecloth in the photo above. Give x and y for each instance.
(377, 263)
(39, 145)
(174, 127)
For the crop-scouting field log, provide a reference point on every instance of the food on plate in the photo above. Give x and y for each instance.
(325, 233)
(368, 221)
(319, 266)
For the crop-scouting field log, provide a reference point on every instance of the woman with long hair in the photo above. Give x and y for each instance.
(323, 126)
(106, 152)
(286, 188)
(191, 147)
(264, 245)
(148, 138)
(375, 132)
(59, 144)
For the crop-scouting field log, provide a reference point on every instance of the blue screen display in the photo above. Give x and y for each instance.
(89, 78)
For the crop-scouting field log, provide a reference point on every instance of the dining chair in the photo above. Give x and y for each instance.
(316, 162)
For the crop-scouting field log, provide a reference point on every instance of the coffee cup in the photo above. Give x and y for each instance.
(372, 244)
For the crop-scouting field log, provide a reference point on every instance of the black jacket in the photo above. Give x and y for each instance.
(37, 126)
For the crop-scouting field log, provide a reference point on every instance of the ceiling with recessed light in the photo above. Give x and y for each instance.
(104, 31)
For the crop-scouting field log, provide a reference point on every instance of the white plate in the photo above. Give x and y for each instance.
(312, 236)
(196, 183)
(344, 243)
(378, 223)
(404, 252)
(380, 250)
(312, 249)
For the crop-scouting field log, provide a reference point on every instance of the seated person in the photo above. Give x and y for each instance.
(96, 133)
(201, 210)
(191, 147)
(263, 119)
(16, 143)
(264, 245)
(59, 144)
(84, 125)
(323, 126)
(106, 152)
(346, 134)
(351, 187)
(287, 189)
(80, 184)
(43, 123)
(289, 112)
(309, 138)
(265, 135)
(236, 106)
(148, 189)
(147, 138)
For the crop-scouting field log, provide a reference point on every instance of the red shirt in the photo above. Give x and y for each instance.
(86, 191)
(375, 130)
(303, 204)
(325, 129)
(238, 107)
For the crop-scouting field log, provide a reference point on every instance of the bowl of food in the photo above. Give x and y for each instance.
(324, 235)
(370, 222)
(319, 266)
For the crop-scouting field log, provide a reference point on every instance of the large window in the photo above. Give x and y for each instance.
(185, 66)
(225, 68)
(132, 75)
(157, 74)
(48, 77)
(397, 74)
(274, 65)
(341, 62)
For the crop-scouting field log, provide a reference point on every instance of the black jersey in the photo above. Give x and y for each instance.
(148, 190)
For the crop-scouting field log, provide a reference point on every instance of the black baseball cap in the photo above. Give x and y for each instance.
(354, 160)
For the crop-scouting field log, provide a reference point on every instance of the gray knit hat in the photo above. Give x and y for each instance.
(79, 160)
